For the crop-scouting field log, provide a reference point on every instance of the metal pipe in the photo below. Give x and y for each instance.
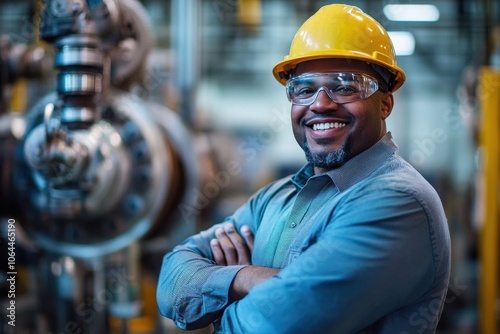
(185, 35)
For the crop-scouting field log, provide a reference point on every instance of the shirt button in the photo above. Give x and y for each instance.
(293, 224)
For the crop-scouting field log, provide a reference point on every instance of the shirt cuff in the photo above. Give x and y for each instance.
(215, 290)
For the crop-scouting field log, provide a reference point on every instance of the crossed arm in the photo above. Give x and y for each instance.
(229, 248)
(353, 274)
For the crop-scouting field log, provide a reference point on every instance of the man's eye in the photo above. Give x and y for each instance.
(305, 91)
(345, 90)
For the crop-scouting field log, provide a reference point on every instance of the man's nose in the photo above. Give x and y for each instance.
(323, 102)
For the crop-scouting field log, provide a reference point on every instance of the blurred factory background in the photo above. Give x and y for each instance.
(115, 148)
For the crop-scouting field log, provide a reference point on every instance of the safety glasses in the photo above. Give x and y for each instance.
(340, 87)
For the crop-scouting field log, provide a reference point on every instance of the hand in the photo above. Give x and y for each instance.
(229, 247)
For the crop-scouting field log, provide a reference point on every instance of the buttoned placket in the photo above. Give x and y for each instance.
(306, 196)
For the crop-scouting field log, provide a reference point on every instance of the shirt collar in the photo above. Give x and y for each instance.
(305, 173)
(355, 169)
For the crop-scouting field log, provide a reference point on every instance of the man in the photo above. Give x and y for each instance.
(356, 241)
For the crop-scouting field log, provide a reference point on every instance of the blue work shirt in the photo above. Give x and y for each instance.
(364, 248)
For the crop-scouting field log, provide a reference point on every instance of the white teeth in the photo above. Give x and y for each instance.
(326, 126)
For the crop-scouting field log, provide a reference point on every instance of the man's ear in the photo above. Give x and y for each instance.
(386, 105)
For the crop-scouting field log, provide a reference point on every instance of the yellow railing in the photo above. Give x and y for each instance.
(489, 99)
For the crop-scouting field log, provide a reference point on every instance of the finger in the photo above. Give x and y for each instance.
(217, 252)
(241, 247)
(227, 247)
(248, 235)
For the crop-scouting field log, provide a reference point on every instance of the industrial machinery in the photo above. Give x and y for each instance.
(92, 172)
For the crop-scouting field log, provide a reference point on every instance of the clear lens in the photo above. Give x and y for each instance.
(340, 87)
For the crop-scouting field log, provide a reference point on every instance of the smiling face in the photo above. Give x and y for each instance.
(331, 133)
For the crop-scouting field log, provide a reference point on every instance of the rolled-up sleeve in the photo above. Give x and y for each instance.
(373, 257)
(192, 289)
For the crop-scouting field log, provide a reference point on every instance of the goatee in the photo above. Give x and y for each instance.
(328, 160)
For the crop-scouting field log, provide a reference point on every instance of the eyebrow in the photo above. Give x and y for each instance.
(304, 81)
(308, 81)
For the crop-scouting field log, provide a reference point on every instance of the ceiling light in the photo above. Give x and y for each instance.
(403, 41)
(421, 13)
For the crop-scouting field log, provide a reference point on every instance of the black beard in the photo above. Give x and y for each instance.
(328, 160)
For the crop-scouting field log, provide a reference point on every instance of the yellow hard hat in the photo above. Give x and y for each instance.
(342, 31)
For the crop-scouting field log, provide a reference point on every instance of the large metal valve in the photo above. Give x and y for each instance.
(98, 167)
(94, 190)
(99, 174)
